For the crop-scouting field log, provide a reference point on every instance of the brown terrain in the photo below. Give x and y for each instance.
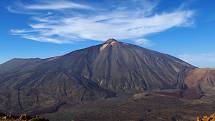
(200, 83)
(113, 81)
(138, 107)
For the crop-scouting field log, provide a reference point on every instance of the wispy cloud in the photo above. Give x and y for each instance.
(121, 23)
(143, 42)
(57, 6)
(36, 8)
(200, 59)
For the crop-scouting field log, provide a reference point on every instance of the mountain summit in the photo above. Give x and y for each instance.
(111, 40)
(99, 71)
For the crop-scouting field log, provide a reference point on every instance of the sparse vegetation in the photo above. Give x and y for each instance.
(22, 117)
(206, 118)
(39, 118)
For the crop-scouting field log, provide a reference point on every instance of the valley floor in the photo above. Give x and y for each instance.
(139, 107)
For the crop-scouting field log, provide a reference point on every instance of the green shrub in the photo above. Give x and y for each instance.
(39, 118)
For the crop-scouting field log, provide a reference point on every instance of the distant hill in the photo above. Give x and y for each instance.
(200, 83)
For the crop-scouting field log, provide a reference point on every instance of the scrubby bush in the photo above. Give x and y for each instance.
(39, 118)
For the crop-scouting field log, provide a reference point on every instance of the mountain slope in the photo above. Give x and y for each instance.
(120, 67)
(101, 71)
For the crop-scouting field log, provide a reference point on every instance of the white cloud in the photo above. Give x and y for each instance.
(101, 25)
(57, 5)
(205, 60)
(45, 7)
(143, 42)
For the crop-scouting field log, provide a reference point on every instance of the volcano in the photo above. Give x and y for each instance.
(102, 71)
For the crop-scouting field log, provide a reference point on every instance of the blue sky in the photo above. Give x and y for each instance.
(45, 28)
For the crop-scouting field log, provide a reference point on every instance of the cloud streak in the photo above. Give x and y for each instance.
(143, 42)
(120, 23)
(201, 59)
(57, 6)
